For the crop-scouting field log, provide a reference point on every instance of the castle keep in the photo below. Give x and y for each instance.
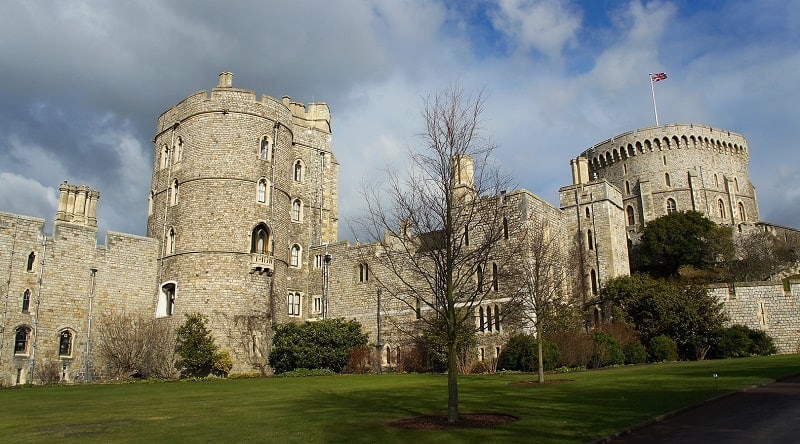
(243, 228)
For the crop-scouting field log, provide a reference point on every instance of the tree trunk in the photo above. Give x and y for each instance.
(539, 351)
(452, 382)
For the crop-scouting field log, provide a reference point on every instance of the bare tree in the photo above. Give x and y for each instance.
(136, 344)
(547, 280)
(438, 228)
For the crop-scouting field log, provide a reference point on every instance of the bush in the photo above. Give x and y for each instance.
(196, 347)
(663, 348)
(740, 341)
(304, 372)
(413, 360)
(223, 363)
(575, 348)
(315, 345)
(635, 353)
(358, 361)
(521, 353)
(606, 350)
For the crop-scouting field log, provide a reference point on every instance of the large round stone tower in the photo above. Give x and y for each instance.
(675, 167)
(242, 189)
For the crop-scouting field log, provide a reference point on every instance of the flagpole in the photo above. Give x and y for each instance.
(653, 91)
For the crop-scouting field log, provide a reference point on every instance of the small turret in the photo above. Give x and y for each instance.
(77, 204)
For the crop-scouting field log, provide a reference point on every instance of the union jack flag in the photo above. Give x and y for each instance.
(658, 76)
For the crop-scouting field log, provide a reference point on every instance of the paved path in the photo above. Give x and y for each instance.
(766, 414)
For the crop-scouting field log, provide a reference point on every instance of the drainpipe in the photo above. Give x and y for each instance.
(88, 374)
(35, 334)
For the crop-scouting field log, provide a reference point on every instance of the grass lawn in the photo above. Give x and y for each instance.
(354, 408)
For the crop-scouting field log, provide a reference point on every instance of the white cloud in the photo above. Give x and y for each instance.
(544, 25)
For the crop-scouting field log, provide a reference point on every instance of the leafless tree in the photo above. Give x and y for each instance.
(438, 227)
(131, 344)
(547, 292)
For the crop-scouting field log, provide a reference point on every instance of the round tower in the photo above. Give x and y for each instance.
(242, 189)
(676, 167)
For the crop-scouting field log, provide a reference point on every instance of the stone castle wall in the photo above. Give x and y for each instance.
(771, 307)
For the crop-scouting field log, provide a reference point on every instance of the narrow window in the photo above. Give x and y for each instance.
(363, 272)
(294, 260)
(178, 151)
(665, 160)
(667, 182)
(26, 300)
(736, 184)
(624, 168)
(741, 212)
(590, 239)
(166, 300)
(495, 285)
(496, 318)
(631, 215)
(627, 187)
(479, 273)
(262, 191)
(505, 228)
(418, 308)
(716, 181)
(388, 355)
(164, 156)
(483, 354)
(466, 235)
(317, 304)
(65, 343)
(31, 261)
(594, 282)
(489, 320)
(298, 171)
(296, 210)
(587, 212)
(264, 148)
(671, 207)
(721, 206)
(21, 337)
(173, 193)
(171, 241)
(482, 326)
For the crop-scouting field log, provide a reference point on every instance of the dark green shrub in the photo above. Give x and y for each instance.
(520, 353)
(196, 348)
(304, 372)
(635, 353)
(315, 345)
(663, 348)
(740, 341)
(763, 344)
(606, 350)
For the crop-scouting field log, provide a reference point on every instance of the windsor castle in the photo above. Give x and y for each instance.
(243, 228)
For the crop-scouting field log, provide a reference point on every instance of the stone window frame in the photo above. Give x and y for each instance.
(30, 265)
(721, 207)
(26, 301)
(363, 272)
(297, 210)
(173, 193)
(296, 256)
(177, 150)
(265, 149)
(170, 241)
(294, 303)
(672, 206)
(165, 154)
(742, 212)
(631, 215)
(66, 340)
(263, 191)
(316, 307)
(261, 232)
(22, 340)
(298, 170)
(167, 294)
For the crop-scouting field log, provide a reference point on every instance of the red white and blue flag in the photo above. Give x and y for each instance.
(658, 76)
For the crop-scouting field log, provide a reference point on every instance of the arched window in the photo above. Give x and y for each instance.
(594, 282)
(26, 300)
(587, 212)
(150, 203)
(31, 261)
(164, 156)
(631, 215)
(298, 171)
(177, 151)
(171, 241)
(479, 275)
(671, 207)
(505, 228)
(667, 182)
(495, 278)
(294, 257)
(166, 300)
(262, 191)
(590, 239)
(297, 210)
(363, 272)
(736, 184)
(742, 215)
(265, 149)
(173, 193)
(482, 325)
(22, 336)
(496, 318)
(65, 343)
(721, 206)
(627, 187)
(489, 319)
(260, 242)
(716, 181)
(466, 235)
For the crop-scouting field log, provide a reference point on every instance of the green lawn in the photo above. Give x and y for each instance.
(353, 408)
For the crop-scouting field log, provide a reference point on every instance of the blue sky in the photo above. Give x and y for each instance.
(83, 82)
